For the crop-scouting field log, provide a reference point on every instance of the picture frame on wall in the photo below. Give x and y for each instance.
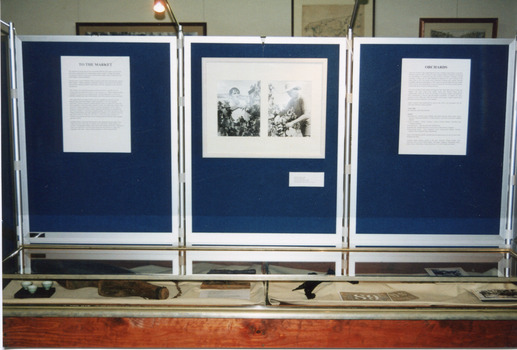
(476, 28)
(331, 18)
(144, 29)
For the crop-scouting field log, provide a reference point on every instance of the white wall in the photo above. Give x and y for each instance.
(393, 18)
(223, 17)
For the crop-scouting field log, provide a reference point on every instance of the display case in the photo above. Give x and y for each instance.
(212, 187)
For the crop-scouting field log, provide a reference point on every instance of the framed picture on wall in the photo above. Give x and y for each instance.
(96, 28)
(331, 18)
(478, 28)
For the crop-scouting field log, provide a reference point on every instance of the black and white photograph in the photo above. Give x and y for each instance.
(289, 109)
(446, 272)
(238, 108)
(264, 107)
(497, 295)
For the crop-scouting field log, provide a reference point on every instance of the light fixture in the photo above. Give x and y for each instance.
(354, 14)
(160, 6)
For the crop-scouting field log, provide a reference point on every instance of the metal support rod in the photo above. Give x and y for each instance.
(348, 125)
(354, 14)
(171, 13)
(14, 120)
(181, 119)
(13, 254)
(513, 171)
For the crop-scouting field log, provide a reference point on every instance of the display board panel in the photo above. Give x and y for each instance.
(431, 156)
(99, 139)
(257, 172)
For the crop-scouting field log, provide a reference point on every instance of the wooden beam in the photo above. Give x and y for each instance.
(254, 333)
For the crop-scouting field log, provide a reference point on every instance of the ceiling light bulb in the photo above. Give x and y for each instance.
(158, 6)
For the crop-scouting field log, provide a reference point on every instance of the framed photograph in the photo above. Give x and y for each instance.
(83, 28)
(264, 108)
(331, 18)
(478, 28)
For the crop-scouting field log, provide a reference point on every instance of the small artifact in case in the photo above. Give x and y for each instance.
(39, 293)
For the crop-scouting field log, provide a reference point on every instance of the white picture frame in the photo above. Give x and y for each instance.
(254, 107)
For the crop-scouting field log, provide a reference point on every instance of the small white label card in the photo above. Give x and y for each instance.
(434, 106)
(306, 179)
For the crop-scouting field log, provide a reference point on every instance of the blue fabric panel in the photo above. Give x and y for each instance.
(252, 195)
(437, 194)
(91, 192)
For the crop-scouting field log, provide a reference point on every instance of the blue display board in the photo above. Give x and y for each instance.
(81, 192)
(408, 194)
(241, 195)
